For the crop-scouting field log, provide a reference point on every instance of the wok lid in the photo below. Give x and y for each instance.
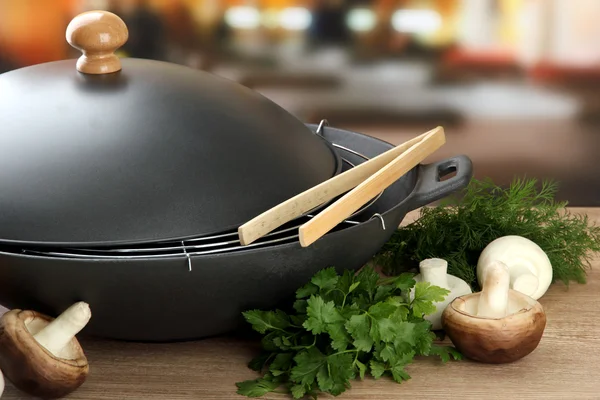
(103, 151)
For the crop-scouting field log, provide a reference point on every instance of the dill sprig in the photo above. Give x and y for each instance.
(461, 226)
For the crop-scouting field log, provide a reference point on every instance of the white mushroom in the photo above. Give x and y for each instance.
(529, 267)
(435, 271)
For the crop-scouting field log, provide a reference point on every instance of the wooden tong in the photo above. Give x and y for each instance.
(362, 183)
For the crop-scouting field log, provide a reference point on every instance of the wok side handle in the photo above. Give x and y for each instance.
(430, 187)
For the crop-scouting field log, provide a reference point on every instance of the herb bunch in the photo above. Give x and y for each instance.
(344, 326)
(461, 227)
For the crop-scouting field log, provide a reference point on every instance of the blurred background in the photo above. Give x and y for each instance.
(515, 83)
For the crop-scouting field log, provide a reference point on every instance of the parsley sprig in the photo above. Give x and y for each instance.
(344, 326)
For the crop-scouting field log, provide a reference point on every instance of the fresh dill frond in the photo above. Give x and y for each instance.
(461, 226)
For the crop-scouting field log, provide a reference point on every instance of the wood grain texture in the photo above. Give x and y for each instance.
(326, 191)
(97, 34)
(564, 366)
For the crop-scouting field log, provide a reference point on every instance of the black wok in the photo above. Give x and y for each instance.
(173, 298)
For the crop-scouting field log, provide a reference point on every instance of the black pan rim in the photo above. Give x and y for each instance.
(103, 244)
(242, 252)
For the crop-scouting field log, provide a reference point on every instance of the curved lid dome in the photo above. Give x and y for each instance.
(104, 151)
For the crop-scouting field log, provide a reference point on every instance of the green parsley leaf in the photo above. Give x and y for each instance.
(368, 279)
(258, 363)
(425, 297)
(445, 353)
(359, 327)
(424, 337)
(334, 376)
(300, 305)
(362, 301)
(325, 279)
(298, 391)
(387, 330)
(306, 291)
(263, 321)
(399, 374)
(402, 332)
(281, 364)
(377, 369)
(257, 387)
(362, 369)
(387, 352)
(381, 310)
(353, 287)
(340, 339)
(348, 311)
(270, 341)
(383, 292)
(320, 314)
(398, 365)
(404, 281)
(298, 320)
(346, 281)
(308, 363)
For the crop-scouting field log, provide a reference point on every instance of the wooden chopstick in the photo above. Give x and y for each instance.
(308, 200)
(369, 188)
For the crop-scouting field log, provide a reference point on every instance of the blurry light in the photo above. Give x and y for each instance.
(243, 17)
(270, 18)
(416, 21)
(295, 19)
(361, 20)
(98, 4)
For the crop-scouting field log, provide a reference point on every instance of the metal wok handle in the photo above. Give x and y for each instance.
(430, 187)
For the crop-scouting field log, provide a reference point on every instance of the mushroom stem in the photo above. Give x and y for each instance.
(522, 278)
(493, 299)
(2, 383)
(435, 271)
(57, 334)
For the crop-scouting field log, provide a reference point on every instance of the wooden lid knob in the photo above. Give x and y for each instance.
(97, 34)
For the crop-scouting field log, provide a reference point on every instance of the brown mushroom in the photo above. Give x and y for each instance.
(41, 355)
(497, 325)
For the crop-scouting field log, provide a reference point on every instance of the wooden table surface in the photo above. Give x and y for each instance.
(564, 366)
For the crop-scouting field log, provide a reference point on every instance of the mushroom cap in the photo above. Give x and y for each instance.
(495, 340)
(32, 368)
(517, 250)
